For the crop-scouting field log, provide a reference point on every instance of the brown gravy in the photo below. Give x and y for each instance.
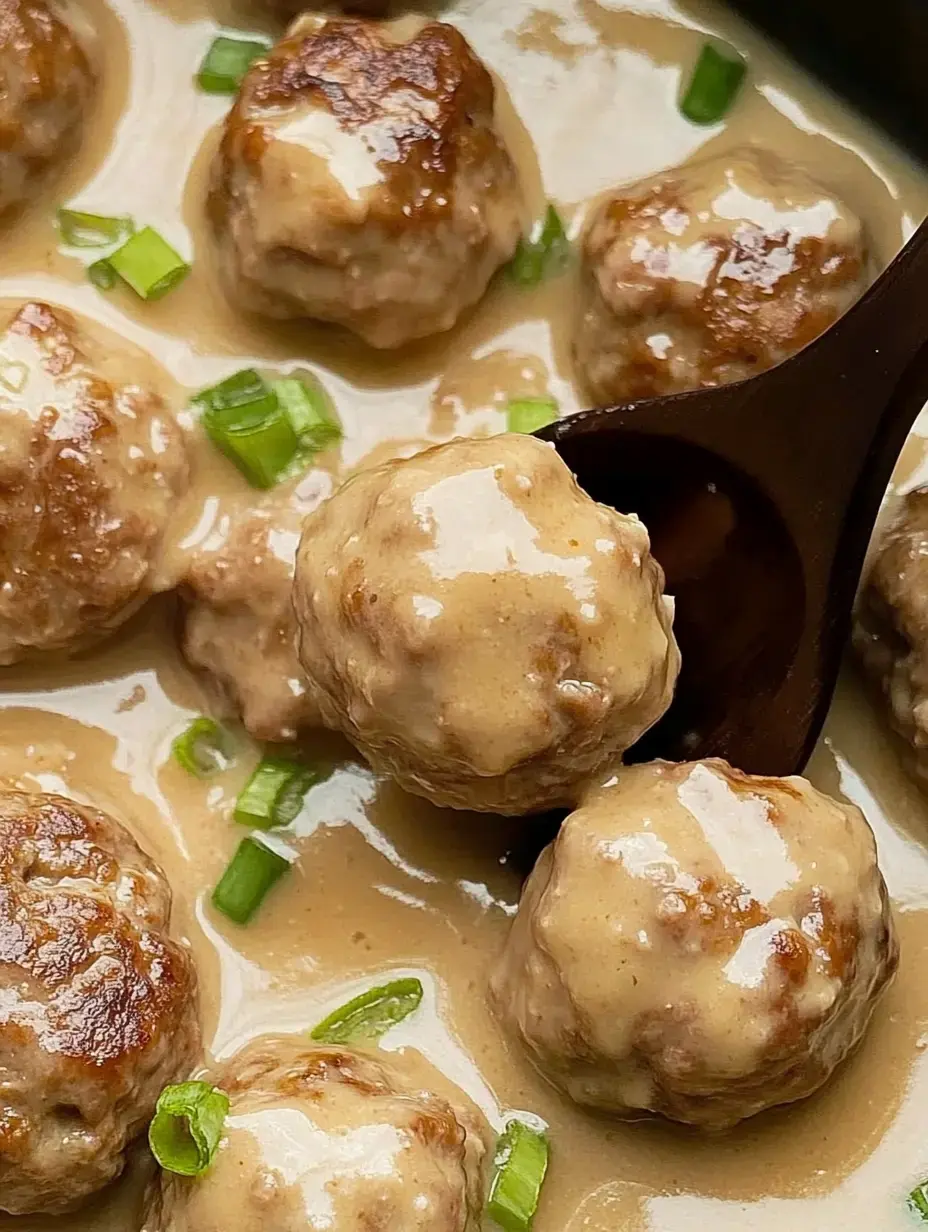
(385, 881)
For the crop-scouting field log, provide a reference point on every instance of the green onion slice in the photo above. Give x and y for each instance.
(310, 410)
(102, 274)
(79, 229)
(148, 264)
(252, 872)
(527, 415)
(543, 253)
(519, 1169)
(226, 63)
(368, 1016)
(274, 794)
(203, 748)
(244, 418)
(714, 84)
(917, 1202)
(187, 1127)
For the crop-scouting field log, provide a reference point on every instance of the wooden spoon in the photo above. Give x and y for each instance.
(761, 498)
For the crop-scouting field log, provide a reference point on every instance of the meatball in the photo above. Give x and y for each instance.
(97, 1005)
(698, 942)
(91, 465)
(891, 626)
(322, 1137)
(479, 627)
(711, 273)
(46, 85)
(240, 626)
(361, 180)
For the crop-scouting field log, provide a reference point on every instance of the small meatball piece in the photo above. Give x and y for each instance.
(97, 1005)
(46, 85)
(91, 465)
(322, 1137)
(891, 626)
(361, 180)
(711, 273)
(480, 628)
(698, 942)
(240, 626)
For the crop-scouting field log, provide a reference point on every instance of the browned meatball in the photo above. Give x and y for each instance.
(891, 626)
(46, 84)
(97, 1005)
(322, 1137)
(710, 273)
(240, 626)
(91, 465)
(698, 942)
(361, 180)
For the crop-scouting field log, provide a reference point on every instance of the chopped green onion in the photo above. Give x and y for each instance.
(519, 1169)
(81, 230)
(544, 252)
(527, 415)
(310, 410)
(714, 84)
(187, 1127)
(102, 274)
(226, 63)
(368, 1016)
(251, 873)
(148, 264)
(243, 417)
(274, 794)
(202, 749)
(917, 1202)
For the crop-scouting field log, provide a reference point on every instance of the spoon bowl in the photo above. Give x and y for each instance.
(760, 498)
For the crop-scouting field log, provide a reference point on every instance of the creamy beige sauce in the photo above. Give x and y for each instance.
(384, 881)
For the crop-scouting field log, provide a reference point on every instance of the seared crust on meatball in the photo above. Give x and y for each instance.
(46, 84)
(479, 627)
(711, 273)
(97, 1005)
(91, 464)
(361, 180)
(891, 626)
(698, 942)
(373, 1150)
(240, 626)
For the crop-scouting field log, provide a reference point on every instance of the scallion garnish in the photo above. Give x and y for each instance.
(148, 264)
(519, 1168)
(187, 1127)
(203, 748)
(274, 794)
(527, 415)
(543, 252)
(251, 873)
(79, 229)
(310, 410)
(917, 1201)
(714, 84)
(226, 63)
(243, 417)
(368, 1016)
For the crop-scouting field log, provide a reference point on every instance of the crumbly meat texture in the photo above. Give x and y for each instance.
(46, 87)
(710, 273)
(479, 627)
(239, 624)
(97, 1004)
(361, 180)
(699, 943)
(375, 1150)
(891, 626)
(91, 465)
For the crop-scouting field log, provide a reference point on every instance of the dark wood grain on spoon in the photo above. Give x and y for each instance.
(760, 498)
